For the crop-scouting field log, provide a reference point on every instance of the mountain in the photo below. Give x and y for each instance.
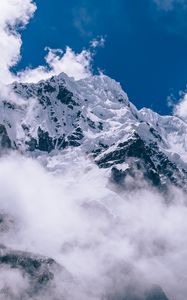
(94, 117)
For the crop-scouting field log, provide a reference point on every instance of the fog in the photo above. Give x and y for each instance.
(65, 208)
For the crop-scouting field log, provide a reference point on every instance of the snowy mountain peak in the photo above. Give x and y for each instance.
(95, 115)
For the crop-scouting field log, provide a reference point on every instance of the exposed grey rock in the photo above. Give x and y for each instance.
(5, 142)
(37, 271)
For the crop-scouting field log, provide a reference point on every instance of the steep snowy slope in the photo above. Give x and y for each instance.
(96, 115)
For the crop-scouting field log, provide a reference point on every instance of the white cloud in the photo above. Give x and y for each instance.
(103, 239)
(74, 65)
(14, 14)
(180, 109)
(98, 42)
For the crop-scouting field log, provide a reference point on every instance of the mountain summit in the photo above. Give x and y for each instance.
(95, 115)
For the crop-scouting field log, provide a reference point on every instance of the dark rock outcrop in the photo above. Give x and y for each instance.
(5, 142)
(145, 161)
(38, 271)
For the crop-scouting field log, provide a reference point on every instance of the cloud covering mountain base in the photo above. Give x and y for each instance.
(108, 242)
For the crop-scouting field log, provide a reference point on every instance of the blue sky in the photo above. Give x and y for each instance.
(145, 49)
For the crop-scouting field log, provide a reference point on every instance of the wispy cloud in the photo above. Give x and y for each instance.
(169, 5)
(170, 15)
(83, 21)
(89, 17)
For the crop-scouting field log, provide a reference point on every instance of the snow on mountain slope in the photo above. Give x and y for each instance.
(173, 131)
(96, 115)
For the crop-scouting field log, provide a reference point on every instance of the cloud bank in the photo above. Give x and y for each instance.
(107, 241)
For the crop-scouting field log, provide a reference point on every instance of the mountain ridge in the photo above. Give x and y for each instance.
(96, 115)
